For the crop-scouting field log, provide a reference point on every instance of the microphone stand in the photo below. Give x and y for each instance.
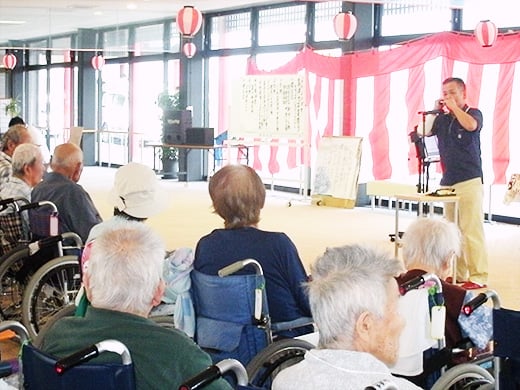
(424, 176)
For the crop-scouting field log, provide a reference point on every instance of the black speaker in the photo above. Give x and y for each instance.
(200, 136)
(175, 123)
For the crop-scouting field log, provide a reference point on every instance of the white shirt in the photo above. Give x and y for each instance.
(337, 369)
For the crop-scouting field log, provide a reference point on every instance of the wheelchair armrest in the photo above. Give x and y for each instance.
(286, 325)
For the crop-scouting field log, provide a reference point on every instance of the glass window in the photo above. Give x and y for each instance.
(175, 38)
(174, 75)
(401, 18)
(113, 146)
(500, 13)
(277, 26)
(115, 43)
(61, 56)
(37, 53)
(148, 39)
(60, 101)
(37, 104)
(231, 31)
(223, 74)
(148, 81)
(323, 21)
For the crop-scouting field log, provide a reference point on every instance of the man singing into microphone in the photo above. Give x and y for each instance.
(457, 127)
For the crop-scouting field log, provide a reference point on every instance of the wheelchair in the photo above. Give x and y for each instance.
(506, 352)
(38, 370)
(19, 264)
(232, 321)
(431, 345)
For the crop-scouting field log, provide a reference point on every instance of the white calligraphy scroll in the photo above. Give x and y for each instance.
(270, 106)
(337, 167)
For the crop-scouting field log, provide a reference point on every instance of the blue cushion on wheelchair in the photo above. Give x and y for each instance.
(224, 310)
(220, 335)
(231, 298)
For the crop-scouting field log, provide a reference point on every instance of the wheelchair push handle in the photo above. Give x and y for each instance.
(36, 205)
(418, 281)
(479, 300)
(12, 201)
(215, 372)
(91, 352)
(48, 241)
(79, 357)
(238, 265)
(199, 381)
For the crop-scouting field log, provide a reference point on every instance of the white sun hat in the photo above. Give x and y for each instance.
(137, 191)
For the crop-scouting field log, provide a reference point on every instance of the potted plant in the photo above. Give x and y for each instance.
(168, 103)
(12, 108)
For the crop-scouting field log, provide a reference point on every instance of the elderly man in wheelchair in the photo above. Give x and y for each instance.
(123, 282)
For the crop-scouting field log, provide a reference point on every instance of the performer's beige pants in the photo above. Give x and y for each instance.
(473, 264)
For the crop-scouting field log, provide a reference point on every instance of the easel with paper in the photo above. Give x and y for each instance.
(337, 172)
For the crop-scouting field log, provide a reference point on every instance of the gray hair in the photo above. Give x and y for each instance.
(347, 281)
(24, 154)
(431, 241)
(125, 267)
(15, 134)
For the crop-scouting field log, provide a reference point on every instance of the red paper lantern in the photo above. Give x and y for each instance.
(9, 61)
(97, 62)
(189, 49)
(486, 33)
(345, 25)
(189, 21)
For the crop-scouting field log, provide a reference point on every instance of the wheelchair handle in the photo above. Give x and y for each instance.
(35, 205)
(91, 352)
(48, 241)
(238, 265)
(199, 381)
(6, 202)
(418, 281)
(479, 300)
(74, 237)
(79, 357)
(215, 372)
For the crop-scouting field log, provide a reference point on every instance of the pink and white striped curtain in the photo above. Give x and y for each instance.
(377, 95)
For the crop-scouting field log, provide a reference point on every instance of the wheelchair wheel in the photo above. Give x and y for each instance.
(13, 279)
(465, 376)
(275, 357)
(51, 288)
(66, 311)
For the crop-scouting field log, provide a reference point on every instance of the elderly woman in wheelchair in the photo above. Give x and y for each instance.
(238, 195)
(429, 247)
(353, 298)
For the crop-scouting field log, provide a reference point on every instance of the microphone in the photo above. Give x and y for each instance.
(433, 112)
